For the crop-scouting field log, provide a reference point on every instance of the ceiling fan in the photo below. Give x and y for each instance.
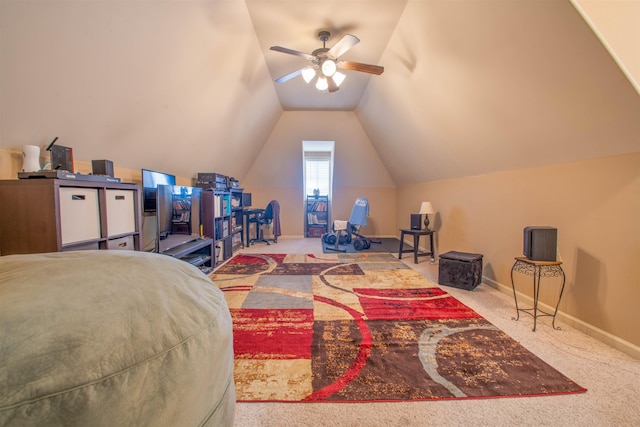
(325, 63)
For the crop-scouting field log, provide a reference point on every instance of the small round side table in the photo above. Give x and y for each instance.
(537, 269)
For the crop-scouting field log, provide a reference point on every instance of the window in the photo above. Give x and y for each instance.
(318, 167)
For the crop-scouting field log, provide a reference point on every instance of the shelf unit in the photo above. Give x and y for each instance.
(52, 215)
(317, 216)
(222, 213)
(220, 222)
(237, 219)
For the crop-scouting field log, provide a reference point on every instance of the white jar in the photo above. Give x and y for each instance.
(31, 162)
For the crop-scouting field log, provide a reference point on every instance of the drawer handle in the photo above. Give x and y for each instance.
(78, 197)
(119, 197)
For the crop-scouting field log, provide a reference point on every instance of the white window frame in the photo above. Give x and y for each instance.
(317, 149)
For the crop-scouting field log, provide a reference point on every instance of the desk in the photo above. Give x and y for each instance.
(537, 269)
(416, 240)
(247, 214)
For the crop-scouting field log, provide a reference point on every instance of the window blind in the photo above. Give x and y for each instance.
(317, 169)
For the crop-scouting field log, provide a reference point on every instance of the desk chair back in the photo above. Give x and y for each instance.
(269, 218)
(273, 212)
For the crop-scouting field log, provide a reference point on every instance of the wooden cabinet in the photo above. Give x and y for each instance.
(317, 216)
(51, 215)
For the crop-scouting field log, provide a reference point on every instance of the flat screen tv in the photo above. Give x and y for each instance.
(178, 216)
(150, 181)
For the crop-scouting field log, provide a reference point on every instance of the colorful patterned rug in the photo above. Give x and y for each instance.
(365, 327)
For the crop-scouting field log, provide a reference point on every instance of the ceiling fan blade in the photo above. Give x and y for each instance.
(343, 45)
(332, 84)
(357, 66)
(289, 76)
(293, 52)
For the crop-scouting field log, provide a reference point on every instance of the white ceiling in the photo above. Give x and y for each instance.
(469, 87)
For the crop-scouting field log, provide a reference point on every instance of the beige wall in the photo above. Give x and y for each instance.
(594, 204)
(278, 173)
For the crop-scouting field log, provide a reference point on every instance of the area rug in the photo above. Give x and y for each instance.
(386, 244)
(362, 328)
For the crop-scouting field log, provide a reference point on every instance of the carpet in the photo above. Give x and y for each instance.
(387, 244)
(365, 327)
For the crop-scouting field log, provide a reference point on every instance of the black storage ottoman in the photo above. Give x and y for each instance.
(460, 270)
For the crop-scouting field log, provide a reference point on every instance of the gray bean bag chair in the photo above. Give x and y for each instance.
(112, 338)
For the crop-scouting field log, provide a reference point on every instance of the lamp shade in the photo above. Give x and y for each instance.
(426, 208)
(322, 83)
(308, 73)
(338, 77)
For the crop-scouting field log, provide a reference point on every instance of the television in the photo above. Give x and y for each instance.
(150, 181)
(246, 200)
(177, 216)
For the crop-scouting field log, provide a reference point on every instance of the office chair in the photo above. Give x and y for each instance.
(269, 217)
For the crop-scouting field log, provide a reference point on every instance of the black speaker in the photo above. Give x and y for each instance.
(416, 222)
(540, 243)
(102, 167)
(61, 158)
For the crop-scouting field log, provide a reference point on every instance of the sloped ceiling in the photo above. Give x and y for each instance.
(469, 87)
(475, 87)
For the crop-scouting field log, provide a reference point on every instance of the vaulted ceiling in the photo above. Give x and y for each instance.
(469, 87)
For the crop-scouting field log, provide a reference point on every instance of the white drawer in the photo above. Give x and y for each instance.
(123, 243)
(121, 214)
(79, 214)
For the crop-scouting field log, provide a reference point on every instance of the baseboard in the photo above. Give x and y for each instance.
(594, 332)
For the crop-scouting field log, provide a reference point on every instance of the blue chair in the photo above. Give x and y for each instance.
(266, 218)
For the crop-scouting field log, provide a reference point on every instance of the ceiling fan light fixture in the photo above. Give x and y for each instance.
(322, 83)
(329, 67)
(308, 73)
(323, 73)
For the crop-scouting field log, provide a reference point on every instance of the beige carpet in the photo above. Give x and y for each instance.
(612, 378)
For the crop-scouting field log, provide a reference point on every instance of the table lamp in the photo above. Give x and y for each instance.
(425, 209)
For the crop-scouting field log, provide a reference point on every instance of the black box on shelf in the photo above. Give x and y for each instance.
(102, 167)
(416, 222)
(61, 158)
(212, 180)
